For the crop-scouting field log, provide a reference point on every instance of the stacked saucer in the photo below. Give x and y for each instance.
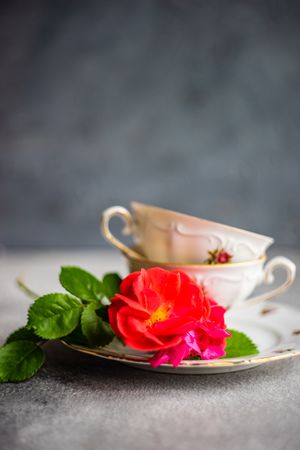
(229, 262)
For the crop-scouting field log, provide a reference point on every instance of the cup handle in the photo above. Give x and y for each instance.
(125, 215)
(268, 278)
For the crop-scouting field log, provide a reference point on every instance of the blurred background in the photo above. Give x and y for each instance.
(191, 105)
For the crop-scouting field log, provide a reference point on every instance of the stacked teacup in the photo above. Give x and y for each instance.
(228, 262)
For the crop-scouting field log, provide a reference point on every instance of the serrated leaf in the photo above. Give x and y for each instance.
(81, 283)
(111, 284)
(20, 360)
(54, 315)
(23, 334)
(97, 332)
(239, 344)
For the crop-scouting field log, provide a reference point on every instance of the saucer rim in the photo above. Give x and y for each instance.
(143, 360)
(230, 362)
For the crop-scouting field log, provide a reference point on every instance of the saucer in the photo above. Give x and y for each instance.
(273, 327)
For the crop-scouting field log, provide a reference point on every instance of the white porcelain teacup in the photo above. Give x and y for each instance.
(230, 284)
(164, 235)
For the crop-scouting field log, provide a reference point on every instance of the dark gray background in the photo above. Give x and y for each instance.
(191, 105)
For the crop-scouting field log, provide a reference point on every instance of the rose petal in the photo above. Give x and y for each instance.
(126, 286)
(176, 326)
(150, 300)
(213, 352)
(136, 306)
(159, 358)
(148, 342)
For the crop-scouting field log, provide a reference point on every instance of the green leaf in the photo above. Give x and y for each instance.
(54, 315)
(97, 332)
(20, 360)
(23, 334)
(111, 284)
(239, 344)
(102, 312)
(76, 337)
(81, 283)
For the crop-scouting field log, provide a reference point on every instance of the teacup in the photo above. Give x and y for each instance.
(164, 235)
(230, 284)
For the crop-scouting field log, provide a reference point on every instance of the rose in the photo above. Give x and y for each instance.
(156, 308)
(223, 257)
(207, 340)
(167, 312)
(218, 256)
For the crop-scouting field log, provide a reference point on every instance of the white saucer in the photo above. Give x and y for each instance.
(275, 329)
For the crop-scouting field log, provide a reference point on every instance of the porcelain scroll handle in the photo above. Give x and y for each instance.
(124, 214)
(268, 278)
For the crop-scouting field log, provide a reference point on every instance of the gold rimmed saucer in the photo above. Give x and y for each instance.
(275, 329)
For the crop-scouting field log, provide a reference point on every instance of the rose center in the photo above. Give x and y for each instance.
(161, 313)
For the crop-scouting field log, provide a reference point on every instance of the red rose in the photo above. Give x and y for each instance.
(156, 308)
(223, 257)
(218, 256)
(207, 339)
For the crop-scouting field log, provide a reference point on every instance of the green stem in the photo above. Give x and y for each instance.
(21, 284)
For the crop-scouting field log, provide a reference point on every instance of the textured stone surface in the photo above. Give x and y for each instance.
(80, 402)
(187, 104)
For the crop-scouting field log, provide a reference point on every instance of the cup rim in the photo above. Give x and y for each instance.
(205, 221)
(141, 258)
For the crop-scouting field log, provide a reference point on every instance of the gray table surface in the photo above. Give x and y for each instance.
(81, 402)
